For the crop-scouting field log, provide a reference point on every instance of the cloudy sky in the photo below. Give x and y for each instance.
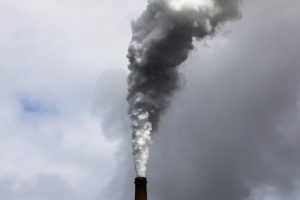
(232, 132)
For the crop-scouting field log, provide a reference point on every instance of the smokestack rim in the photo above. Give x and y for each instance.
(140, 180)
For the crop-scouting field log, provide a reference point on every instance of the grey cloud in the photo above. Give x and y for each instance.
(52, 51)
(42, 187)
(109, 103)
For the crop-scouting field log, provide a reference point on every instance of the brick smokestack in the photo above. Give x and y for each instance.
(140, 188)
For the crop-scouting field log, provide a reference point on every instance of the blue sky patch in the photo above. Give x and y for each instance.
(35, 106)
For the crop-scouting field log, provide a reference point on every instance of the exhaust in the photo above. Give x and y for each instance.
(140, 188)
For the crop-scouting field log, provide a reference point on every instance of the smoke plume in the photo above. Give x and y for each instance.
(162, 39)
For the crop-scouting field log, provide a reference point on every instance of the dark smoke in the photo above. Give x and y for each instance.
(166, 37)
(162, 39)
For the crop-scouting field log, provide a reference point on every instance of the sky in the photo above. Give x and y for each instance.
(232, 132)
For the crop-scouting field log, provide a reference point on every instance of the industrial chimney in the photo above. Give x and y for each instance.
(140, 188)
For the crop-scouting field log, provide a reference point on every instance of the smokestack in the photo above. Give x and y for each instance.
(140, 188)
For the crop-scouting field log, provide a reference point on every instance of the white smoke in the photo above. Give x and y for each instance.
(162, 38)
(142, 129)
(191, 4)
